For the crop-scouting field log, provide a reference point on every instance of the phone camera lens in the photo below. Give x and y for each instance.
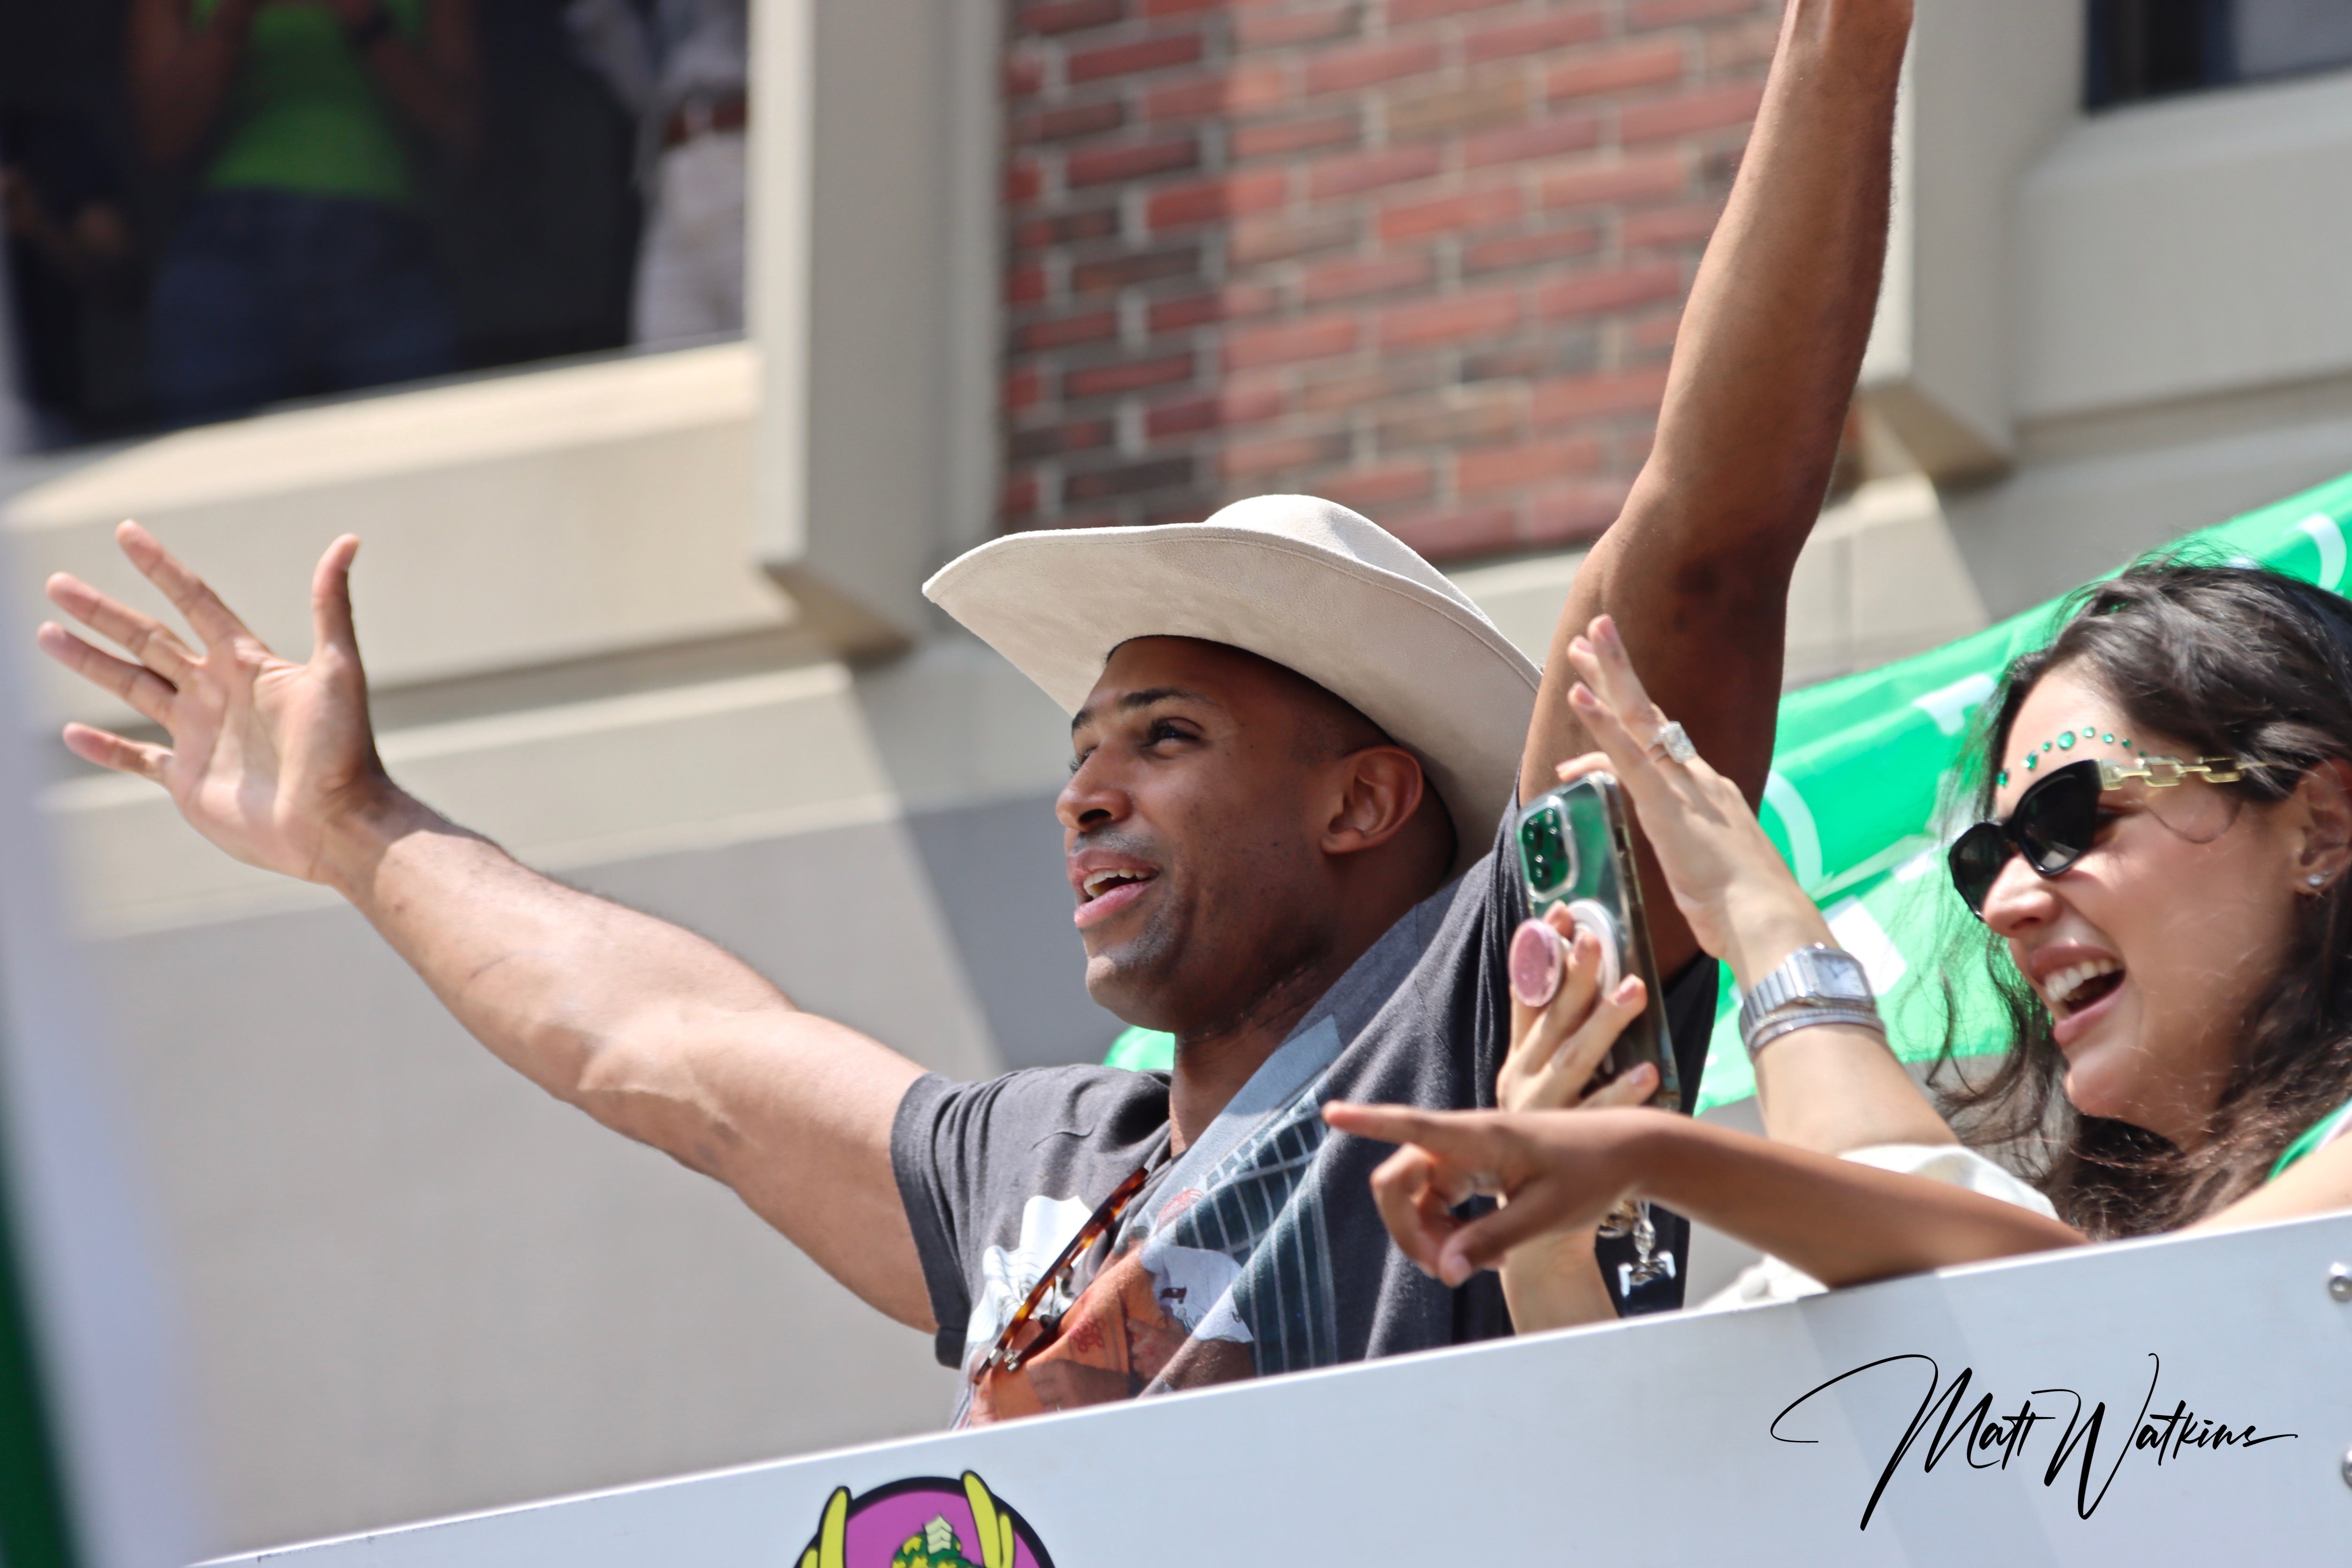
(1549, 854)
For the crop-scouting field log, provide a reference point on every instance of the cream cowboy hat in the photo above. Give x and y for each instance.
(1304, 583)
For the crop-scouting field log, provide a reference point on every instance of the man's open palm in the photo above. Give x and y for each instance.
(264, 752)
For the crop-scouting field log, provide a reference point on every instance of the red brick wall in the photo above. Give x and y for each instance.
(1423, 256)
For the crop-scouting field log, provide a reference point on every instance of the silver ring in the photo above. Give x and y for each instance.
(1672, 742)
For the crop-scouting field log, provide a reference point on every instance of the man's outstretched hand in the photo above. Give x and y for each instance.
(652, 1030)
(266, 755)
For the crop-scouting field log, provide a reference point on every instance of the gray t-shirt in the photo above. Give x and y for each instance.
(1259, 1249)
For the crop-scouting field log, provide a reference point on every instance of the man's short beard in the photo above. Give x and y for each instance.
(1148, 991)
(1142, 966)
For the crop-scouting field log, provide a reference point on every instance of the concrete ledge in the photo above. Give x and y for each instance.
(1880, 579)
(517, 521)
(587, 782)
(569, 779)
(1523, 598)
(561, 787)
(2056, 524)
(587, 779)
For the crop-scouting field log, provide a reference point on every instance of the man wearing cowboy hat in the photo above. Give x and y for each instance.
(1294, 746)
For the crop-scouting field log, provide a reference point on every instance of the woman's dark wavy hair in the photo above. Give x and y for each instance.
(2238, 661)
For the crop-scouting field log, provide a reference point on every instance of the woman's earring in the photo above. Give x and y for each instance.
(2317, 878)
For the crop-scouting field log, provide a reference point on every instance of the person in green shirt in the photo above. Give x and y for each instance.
(301, 265)
(2162, 887)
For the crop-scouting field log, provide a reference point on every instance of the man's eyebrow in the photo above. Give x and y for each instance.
(1135, 700)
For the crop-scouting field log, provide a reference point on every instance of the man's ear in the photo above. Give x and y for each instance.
(1380, 787)
(2323, 797)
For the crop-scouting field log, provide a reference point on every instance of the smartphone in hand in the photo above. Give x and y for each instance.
(1575, 848)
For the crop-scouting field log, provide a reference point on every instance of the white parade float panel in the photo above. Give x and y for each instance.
(2177, 1396)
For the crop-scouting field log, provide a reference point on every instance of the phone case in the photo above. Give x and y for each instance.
(1575, 847)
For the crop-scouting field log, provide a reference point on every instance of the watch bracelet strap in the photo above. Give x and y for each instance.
(1792, 981)
(1808, 1015)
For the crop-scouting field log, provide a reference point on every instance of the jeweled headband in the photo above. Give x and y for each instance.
(2066, 741)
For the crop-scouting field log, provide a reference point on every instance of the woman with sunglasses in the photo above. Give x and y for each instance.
(2161, 887)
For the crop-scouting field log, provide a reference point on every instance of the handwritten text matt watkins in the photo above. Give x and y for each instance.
(1989, 1441)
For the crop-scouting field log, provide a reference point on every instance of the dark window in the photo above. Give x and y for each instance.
(2154, 48)
(378, 193)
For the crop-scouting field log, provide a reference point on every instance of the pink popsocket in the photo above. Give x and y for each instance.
(1538, 959)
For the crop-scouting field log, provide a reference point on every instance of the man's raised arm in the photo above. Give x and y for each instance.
(1696, 570)
(650, 1029)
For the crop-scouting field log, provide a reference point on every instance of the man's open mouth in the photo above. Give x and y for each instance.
(1104, 890)
(1107, 875)
(2081, 987)
(1100, 882)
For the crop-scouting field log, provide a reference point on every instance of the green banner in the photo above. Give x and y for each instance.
(36, 1525)
(1862, 766)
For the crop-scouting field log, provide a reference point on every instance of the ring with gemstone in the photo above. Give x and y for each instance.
(1672, 742)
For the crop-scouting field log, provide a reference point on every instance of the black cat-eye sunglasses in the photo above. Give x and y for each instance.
(2056, 820)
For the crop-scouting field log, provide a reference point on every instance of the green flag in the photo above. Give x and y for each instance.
(1860, 770)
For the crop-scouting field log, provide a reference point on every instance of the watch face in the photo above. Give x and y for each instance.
(1842, 976)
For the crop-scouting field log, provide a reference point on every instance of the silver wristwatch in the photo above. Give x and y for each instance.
(1817, 985)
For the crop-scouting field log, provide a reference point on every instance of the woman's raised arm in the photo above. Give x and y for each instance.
(1829, 1088)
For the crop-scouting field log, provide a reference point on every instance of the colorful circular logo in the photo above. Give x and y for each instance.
(928, 1521)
